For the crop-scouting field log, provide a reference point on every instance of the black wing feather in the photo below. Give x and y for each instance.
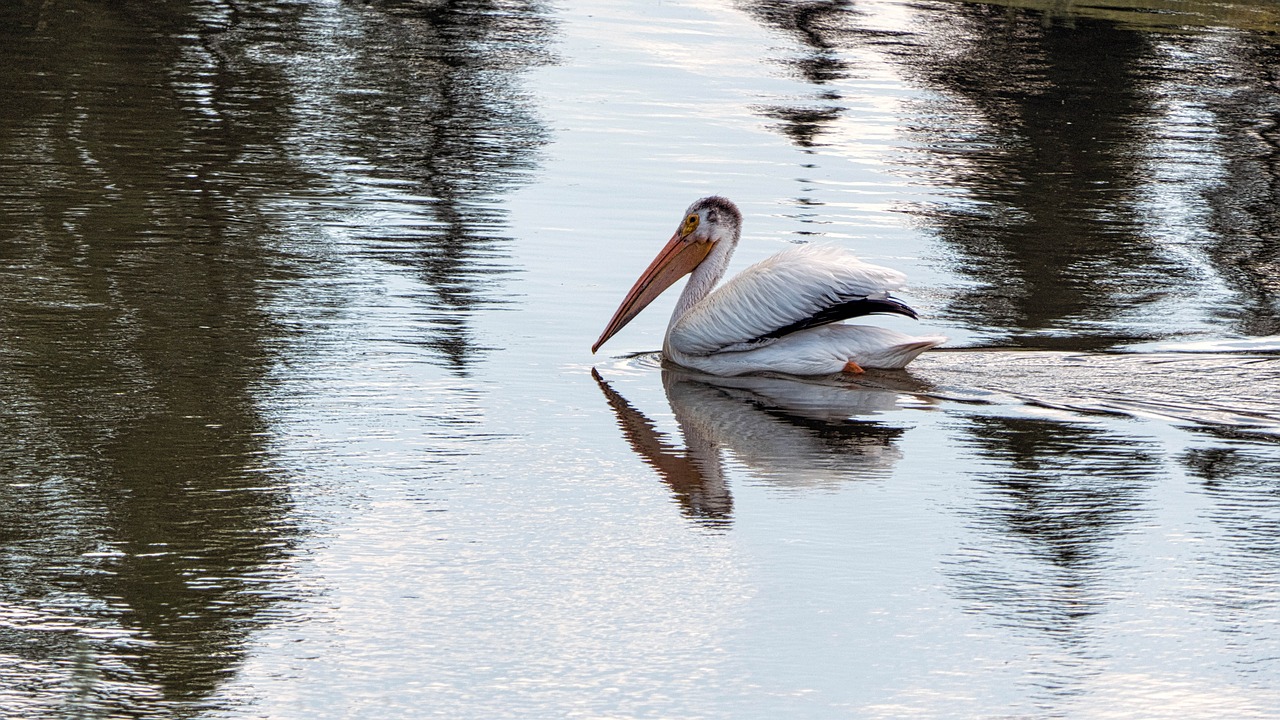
(850, 308)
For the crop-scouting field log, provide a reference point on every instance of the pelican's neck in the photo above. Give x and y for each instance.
(703, 279)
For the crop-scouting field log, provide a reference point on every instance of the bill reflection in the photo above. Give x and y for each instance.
(784, 432)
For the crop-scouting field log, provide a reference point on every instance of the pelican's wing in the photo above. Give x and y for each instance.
(800, 287)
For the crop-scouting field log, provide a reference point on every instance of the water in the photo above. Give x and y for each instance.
(300, 419)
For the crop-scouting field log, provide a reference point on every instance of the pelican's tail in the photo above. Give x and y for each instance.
(896, 357)
(876, 347)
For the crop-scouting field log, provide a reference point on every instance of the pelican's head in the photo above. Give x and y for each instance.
(711, 220)
(710, 223)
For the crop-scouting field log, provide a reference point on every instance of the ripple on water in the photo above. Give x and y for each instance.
(1214, 389)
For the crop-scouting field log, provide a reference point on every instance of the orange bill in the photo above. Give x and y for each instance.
(678, 258)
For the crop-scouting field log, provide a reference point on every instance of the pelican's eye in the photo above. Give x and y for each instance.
(690, 224)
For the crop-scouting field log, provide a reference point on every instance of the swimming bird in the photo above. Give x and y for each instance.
(780, 315)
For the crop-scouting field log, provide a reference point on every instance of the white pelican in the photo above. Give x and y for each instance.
(779, 315)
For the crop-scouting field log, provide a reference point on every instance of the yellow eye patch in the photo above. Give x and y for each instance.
(690, 224)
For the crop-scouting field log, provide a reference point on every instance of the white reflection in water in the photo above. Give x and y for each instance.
(790, 432)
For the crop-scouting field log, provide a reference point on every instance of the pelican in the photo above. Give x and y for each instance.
(780, 315)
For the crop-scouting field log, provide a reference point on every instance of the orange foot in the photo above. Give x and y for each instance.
(853, 368)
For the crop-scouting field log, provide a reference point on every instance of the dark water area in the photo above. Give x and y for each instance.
(298, 415)
(173, 174)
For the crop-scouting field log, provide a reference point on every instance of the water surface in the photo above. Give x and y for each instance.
(300, 419)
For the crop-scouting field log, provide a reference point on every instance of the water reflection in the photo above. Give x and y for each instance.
(1165, 15)
(427, 97)
(184, 185)
(1051, 168)
(1244, 246)
(1057, 495)
(819, 28)
(1087, 184)
(143, 530)
(1242, 480)
(785, 432)
(695, 474)
(1060, 489)
(1085, 194)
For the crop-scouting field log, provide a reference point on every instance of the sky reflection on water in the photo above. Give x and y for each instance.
(300, 417)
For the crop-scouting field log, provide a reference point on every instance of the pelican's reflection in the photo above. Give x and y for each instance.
(785, 432)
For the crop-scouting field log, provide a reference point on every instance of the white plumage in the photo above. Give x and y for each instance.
(795, 284)
(779, 315)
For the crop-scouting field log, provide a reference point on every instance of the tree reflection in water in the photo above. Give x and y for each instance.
(143, 526)
(193, 192)
(429, 98)
(1239, 478)
(1060, 492)
(174, 175)
(1051, 174)
(1244, 243)
(1062, 137)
